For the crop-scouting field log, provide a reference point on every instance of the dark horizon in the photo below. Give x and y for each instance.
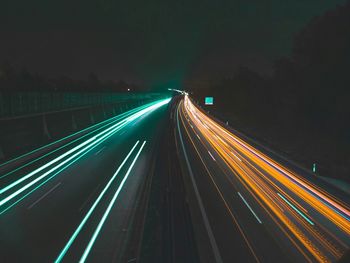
(152, 44)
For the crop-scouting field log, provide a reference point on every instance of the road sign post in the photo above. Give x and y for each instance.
(209, 101)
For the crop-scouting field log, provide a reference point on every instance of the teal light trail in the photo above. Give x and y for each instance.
(105, 215)
(57, 172)
(88, 214)
(76, 133)
(5, 200)
(107, 133)
(62, 139)
(296, 209)
(48, 179)
(111, 120)
(3, 190)
(132, 117)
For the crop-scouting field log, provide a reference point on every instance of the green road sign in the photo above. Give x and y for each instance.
(209, 101)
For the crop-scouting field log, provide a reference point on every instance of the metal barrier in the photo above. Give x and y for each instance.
(27, 103)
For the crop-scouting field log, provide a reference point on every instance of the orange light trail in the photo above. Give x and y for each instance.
(282, 193)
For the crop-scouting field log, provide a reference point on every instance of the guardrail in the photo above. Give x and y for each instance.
(27, 103)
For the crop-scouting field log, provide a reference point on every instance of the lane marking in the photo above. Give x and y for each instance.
(296, 209)
(89, 197)
(111, 121)
(251, 210)
(109, 208)
(211, 155)
(42, 197)
(223, 199)
(3, 190)
(239, 159)
(97, 153)
(106, 134)
(116, 118)
(198, 136)
(213, 244)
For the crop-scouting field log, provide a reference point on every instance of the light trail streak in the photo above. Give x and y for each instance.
(102, 124)
(74, 158)
(94, 141)
(233, 217)
(109, 208)
(208, 228)
(236, 157)
(88, 214)
(3, 190)
(301, 182)
(263, 178)
(44, 182)
(122, 115)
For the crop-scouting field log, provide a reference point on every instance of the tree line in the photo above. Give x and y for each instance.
(13, 80)
(305, 104)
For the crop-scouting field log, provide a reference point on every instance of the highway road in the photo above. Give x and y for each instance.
(77, 199)
(250, 207)
(164, 182)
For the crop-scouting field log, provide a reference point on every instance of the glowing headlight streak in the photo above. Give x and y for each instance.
(292, 227)
(302, 183)
(282, 217)
(3, 190)
(109, 122)
(296, 187)
(105, 215)
(109, 132)
(91, 210)
(46, 180)
(302, 237)
(76, 133)
(67, 153)
(317, 193)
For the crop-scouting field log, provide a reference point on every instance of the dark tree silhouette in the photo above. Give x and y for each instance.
(303, 108)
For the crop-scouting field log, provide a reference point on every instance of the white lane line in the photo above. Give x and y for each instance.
(92, 193)
(46, 194)
(237, 157)
(191, 125)
(251, 210)
(97, 153)
(211, 156)
(221, 140)
(213, 244)
(198, 136)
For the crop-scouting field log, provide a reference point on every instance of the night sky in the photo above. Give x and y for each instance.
(151, 42)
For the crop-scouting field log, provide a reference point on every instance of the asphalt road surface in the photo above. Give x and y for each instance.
(253, 208)
(76, 199)
(164, 182)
